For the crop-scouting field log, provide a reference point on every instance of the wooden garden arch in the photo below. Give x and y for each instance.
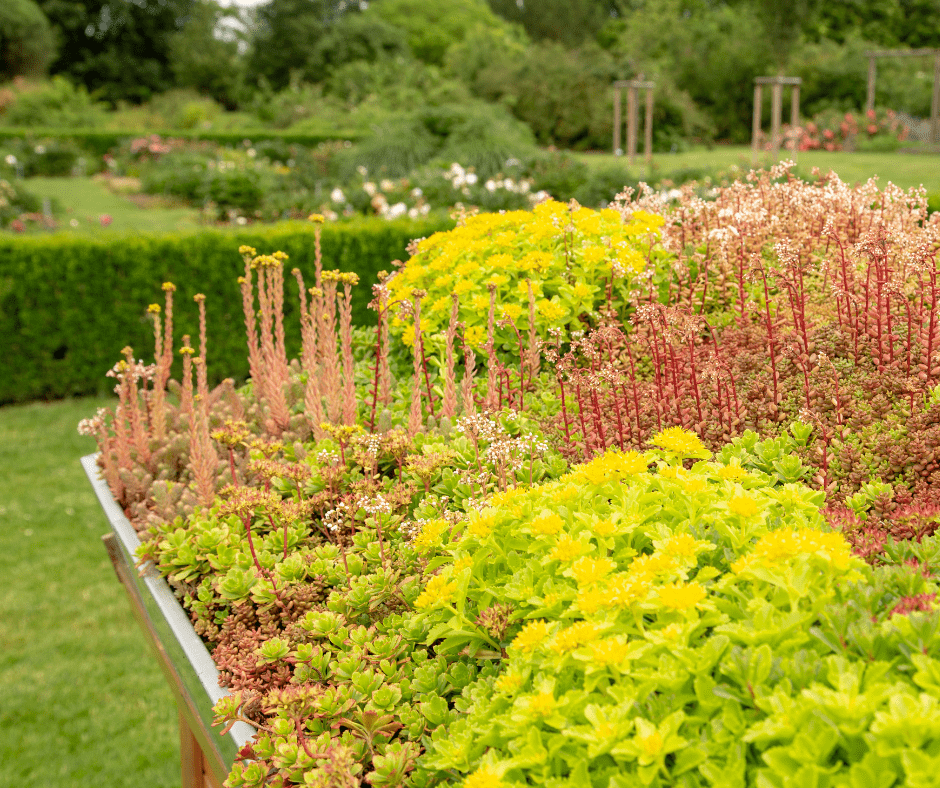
(776, 108)
(935, 96)
(633, 87)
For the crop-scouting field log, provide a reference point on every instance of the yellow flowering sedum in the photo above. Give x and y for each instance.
(613, 465)
(438, 591)
(432, 533)
(566, 549)
(779, 547)
(743, 505)
(574, 637)
(565, 252)
(588, 571)
(681, 596)
(546, 524)
(484, 777)
(531, 636)
(682, 443)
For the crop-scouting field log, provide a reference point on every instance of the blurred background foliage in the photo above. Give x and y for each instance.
(376, 66)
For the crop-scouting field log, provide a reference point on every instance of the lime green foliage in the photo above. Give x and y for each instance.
(350, 652)
(569, 258)
(69, 304)
(84, 702)
(671, 627)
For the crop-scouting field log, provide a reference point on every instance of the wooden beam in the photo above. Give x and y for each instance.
(755, 124)
(631, 123)
(901, 52)
(794, 119)
(648, 127)
(935, 100)
(617, 121)
(776, 108)
(778, 81)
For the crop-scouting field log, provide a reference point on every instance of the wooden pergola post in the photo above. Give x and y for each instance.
(617, 122)
(755, 123)
(776, 110)
(935, 95)
(633, 88)
(935, 100)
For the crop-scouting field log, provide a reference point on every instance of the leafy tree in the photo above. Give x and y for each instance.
(563, 95)
(433, 26)
(26, 40)
(205, 62)
(286, 38)
(118, 48)
(886, 23)
(354, 38)
(709, 50)
(570, 22)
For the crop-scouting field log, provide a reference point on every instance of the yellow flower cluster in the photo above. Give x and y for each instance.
(432, 532)
(484, 777)
(545, 246)
(546, 524)
(531, 636)
(574, 637)
(682, 443)
(438, 591)
(566, 549)
(610, 652)
(779, 547)
(482, 526)
(613, 465)
(680, 596)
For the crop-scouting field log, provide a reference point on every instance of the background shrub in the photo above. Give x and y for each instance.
(69, 304)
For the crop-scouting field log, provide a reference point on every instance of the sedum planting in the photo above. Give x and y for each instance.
(642, 496)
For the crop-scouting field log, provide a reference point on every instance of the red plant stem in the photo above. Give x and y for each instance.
(734, 388)
(378, 531)
(680, 412)
(907, 307)
(930, 325)
(598, 422)
(564, 406)
(867, 300)
(584, 430)
(636, 396)
(427, 377)
(704, 272)
(619, 420)
(771, 342)
(246, 519)
(742, 307)
(695, 391)
(378, 362)
(231, 464)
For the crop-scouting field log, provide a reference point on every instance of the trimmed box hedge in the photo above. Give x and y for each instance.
(68, 304)
(100, 141)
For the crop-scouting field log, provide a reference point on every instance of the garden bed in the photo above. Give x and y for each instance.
(616, 497)
(187, 665)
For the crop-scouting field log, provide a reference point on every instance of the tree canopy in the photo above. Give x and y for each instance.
(26, 39)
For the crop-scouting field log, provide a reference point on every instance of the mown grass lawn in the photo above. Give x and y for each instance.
(903, 169)
(86, 200)
(82, 700)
